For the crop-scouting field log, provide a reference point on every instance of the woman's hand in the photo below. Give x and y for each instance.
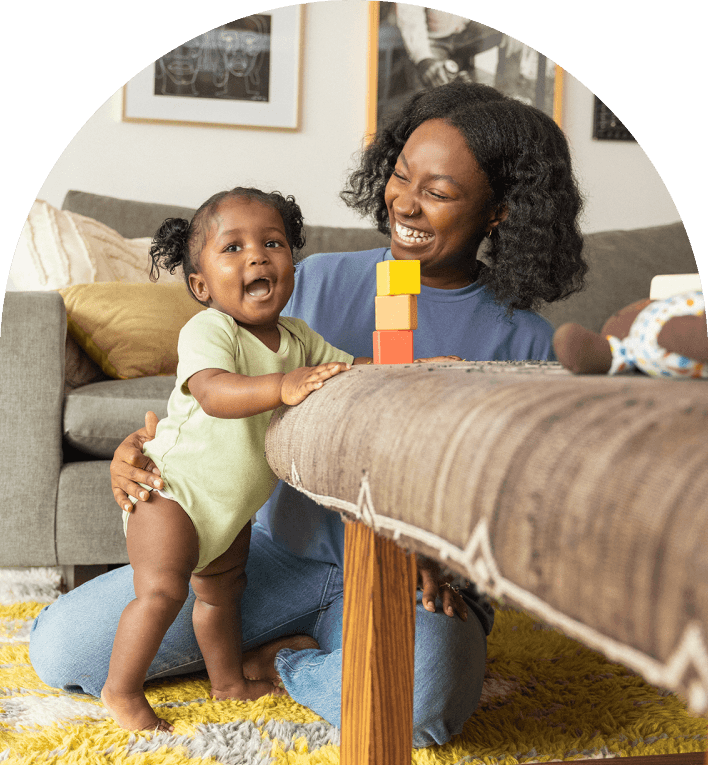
(297, 385)
(437, 359)
(433, 584)
(130, 467)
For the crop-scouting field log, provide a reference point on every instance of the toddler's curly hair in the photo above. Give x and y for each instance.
(178, 242)
(535, 253)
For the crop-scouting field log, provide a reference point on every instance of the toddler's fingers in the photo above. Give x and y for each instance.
(333, 368)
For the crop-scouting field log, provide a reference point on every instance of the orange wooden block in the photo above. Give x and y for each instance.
(398, 277)
(393, 346)
(396, 312)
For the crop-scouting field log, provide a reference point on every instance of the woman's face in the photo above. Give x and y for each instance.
(439, 205)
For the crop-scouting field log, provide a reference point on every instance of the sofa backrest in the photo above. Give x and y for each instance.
(135, 219)
(622, 263)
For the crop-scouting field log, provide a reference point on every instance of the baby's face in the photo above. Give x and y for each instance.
(246, 266)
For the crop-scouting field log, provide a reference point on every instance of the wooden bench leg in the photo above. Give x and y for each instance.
(377, 650)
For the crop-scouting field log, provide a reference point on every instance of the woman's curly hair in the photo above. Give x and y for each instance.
(535, 253)
(179, 242)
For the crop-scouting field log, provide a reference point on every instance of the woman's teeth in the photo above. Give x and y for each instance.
(411, 235)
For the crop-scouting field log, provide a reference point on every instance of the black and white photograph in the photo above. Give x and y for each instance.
(420, 48)
(245, 72)
(231, 61)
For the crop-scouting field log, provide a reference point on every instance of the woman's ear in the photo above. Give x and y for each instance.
(499, 214)
(199, 287)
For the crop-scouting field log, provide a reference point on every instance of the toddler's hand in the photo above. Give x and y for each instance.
(297, 385)
(434, 359)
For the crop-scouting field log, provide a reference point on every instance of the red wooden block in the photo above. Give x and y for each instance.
(393, 346)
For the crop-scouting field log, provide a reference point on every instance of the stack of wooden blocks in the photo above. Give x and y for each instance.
(397, 287)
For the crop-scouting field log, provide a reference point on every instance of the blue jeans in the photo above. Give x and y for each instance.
(72, 639)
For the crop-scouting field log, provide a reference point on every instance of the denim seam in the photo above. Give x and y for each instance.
(324, 598)
(283, 662)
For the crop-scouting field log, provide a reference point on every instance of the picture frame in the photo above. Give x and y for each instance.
(245, 73)
(393, 74)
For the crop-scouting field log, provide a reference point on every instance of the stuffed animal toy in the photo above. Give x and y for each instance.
(661, 338)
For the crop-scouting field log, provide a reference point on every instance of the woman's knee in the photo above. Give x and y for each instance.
(44, 651)
(54, 650)
(450, 658)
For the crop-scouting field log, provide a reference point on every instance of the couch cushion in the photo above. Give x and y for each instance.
(128, 218)
(129, 330)
(332, 239)
(133, 219)
(622, 265)
(99, 416)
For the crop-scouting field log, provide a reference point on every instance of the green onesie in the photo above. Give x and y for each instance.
(216, 468)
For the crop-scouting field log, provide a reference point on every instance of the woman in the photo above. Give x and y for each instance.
(460, 164)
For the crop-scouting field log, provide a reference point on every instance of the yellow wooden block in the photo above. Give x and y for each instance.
(398, 277)
(396, 312)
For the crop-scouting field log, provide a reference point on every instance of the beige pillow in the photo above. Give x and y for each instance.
(58, 248)
(129, 329)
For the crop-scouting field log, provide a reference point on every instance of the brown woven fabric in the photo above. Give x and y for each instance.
(583, 499)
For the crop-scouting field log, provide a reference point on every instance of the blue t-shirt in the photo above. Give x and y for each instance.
(334, 294)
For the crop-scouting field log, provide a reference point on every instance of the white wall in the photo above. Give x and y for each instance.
(185, 164)
(620, 184)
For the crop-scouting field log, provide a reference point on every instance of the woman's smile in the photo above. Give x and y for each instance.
(412, 235)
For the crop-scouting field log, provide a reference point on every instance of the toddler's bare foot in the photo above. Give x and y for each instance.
(260, 662)
(581, 351)
(133, 712)
(252, 690)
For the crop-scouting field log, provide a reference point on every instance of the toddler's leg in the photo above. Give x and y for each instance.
(163, 551)
(217, 623)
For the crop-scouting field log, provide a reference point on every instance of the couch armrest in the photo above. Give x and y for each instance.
(31, 400)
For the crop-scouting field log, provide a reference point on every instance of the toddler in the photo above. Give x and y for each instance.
(238, 361)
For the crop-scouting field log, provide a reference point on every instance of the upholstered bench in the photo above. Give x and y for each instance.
(581, 499)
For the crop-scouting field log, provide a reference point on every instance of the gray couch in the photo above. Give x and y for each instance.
(58, 508)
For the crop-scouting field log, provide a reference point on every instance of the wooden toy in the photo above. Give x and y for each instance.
(396, 312)
(398, 277)
(393, 346)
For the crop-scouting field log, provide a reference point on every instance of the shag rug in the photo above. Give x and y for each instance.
(545, 698)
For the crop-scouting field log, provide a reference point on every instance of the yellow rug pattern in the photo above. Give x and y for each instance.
(545, 698)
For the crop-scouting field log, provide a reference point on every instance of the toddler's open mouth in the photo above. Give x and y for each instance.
(259, 288)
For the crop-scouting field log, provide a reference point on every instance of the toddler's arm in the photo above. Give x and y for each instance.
(231, 396)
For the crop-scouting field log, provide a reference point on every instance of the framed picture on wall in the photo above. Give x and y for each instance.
(243, 73)
(412, 48)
